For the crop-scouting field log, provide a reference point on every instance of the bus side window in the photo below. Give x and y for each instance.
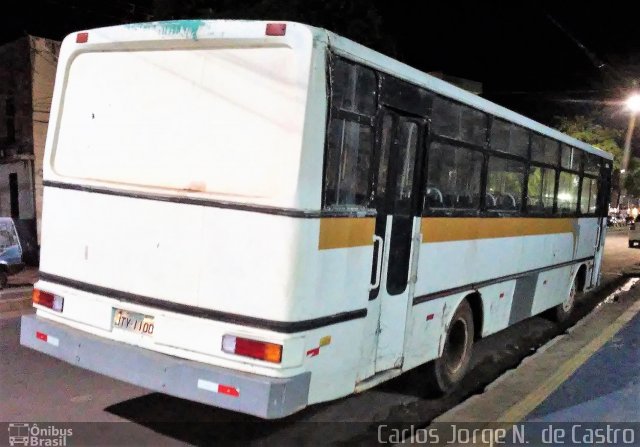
(568, 193)
(510, 138)
(589, 196)
(540, 190)
(505, 180)
(348, 163)
(544, 150)
(349, 140)
(571, 158)
(453, 177)
(591, 164)
(353, 87)
(458, 121)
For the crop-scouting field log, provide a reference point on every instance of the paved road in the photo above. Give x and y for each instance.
(34, 387)
(617, 253)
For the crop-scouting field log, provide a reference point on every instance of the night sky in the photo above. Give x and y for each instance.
(524, 61)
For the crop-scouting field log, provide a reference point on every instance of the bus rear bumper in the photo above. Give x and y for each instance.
(266, 397)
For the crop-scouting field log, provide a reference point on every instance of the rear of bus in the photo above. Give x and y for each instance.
(173, 183)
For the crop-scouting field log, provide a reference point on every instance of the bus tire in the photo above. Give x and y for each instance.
(448, 370)
(564, 310)
(3, 279)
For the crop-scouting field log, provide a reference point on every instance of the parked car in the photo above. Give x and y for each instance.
(10, 250)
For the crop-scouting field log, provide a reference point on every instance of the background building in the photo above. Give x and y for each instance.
(27, 74)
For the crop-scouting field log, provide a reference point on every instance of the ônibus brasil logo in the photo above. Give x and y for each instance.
(38, 435)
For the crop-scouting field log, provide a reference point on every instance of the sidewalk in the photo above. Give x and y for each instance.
(591, 373)
(605, 388)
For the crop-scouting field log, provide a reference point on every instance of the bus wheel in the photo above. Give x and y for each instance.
(564, 311)
(3, 279)
(446, 371)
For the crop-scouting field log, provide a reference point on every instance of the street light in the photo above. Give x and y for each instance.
(633, 104)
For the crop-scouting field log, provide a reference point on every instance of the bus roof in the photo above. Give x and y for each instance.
(367, 56)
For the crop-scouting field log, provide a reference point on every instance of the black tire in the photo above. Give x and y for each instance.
(564, 311)
(3, 279)
(631, 244)
(445, 372)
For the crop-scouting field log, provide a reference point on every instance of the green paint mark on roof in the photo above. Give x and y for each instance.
(174, 27)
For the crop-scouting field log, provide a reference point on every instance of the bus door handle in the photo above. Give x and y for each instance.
(376, 283)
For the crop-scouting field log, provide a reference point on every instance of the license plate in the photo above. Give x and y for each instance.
(133, 322)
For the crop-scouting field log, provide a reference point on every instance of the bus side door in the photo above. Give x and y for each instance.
(397, 230)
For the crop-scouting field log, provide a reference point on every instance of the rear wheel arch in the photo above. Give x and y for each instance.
(445, 372)
(563, 312)
(477, 308)
(581, 278)
(474, 300)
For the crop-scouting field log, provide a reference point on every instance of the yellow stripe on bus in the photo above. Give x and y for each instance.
(345, 232)
(447, 229)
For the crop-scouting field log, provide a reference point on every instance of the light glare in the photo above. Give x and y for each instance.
(633, 102)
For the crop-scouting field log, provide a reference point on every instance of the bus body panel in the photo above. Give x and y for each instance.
(588, 237)
(458, 263)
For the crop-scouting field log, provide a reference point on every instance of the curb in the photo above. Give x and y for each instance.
(617, 229)
(631, 272)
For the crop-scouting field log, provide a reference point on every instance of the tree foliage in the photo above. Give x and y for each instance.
(589, 130)
(585, 128)
(632, 181)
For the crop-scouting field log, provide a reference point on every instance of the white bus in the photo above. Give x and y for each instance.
(263, 216)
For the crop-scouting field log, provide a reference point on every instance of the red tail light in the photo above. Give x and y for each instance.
(46, 299)
(276, 29)
(82, 37)
(261, 350)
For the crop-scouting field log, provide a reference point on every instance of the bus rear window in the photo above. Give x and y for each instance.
(226, 120)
